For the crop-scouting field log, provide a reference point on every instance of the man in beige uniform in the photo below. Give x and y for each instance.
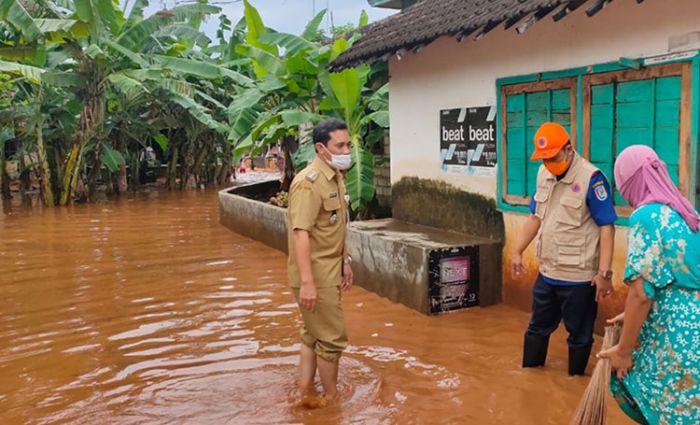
(318, 265)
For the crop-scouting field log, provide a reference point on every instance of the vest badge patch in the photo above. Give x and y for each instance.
(600, 193)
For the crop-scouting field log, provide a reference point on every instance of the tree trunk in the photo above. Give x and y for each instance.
(122, 181)
(71, 170)
(24, 178)
(46, 187)
(289, 171)
(172, 168)
(95, 171)
(91, 120)
(58, 162)
(187, 161)
(4, 177)
(199, 166)
(122, 177)
(226, 166)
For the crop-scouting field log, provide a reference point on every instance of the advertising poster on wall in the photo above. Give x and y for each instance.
(453, 278)
(468, 141)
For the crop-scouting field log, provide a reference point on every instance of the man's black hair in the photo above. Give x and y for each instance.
(323, 130)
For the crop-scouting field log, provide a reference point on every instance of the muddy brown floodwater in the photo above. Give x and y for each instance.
(147, 311)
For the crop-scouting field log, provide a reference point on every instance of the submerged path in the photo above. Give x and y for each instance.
(147, 311)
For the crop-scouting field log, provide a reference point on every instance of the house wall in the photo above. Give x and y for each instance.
(450, 74)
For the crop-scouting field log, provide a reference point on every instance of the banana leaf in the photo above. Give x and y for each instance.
(135, 36)
(312, 27)
(359, 179)
(303, 156)
(134, 57)
(292, 44)
(12, 12)
(112, 159)
(98, 14)
(182, 31)
(162, 141)
(55, 25)
(31, 55)
(31, 72)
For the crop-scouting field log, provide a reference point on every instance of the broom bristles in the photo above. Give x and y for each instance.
(593, 407)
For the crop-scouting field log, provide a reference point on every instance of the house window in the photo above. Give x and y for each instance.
(649, 106)
(524, 108)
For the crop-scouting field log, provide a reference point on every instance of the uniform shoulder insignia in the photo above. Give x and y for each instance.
(312, 176)
(600, 193)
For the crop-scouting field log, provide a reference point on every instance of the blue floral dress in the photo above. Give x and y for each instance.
(663, 385)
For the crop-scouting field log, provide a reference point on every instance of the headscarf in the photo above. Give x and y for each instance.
(642, 178)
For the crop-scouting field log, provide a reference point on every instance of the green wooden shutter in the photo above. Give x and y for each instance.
(525, 113)
(645, 112)
(667, 118)
(516, 153)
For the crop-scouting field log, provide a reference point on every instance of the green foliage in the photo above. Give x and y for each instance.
(101, 87)
(112, 159)
(294, 90)
(303, 156)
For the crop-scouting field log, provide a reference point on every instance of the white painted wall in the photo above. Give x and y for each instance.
(448, 74)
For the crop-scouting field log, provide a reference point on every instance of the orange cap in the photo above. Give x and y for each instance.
(549, 140)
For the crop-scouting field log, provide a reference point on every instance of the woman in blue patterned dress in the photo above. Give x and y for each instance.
(657, 361)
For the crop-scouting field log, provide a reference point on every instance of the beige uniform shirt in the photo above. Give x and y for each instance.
(317, 204)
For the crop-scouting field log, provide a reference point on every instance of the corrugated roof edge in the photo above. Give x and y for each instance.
(377, 44)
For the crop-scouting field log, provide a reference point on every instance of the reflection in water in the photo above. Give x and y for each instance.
(148, 311)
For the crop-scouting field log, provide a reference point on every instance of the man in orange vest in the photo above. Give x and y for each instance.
(573, 219)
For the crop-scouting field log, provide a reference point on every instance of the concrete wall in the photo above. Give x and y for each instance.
(257, 220)
(450, 74)
(390, 257)
(437, 204)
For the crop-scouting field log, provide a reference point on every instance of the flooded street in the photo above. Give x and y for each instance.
(148, 311)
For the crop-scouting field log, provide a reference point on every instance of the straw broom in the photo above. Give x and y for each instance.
(593, 407)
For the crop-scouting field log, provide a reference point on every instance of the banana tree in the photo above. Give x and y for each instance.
(102, 50)
(287, 91)
(296, 88)
(349, 96)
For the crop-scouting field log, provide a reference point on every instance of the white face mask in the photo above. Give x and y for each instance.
(339, 162)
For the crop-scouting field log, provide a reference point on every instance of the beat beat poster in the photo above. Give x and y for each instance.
(468, 141)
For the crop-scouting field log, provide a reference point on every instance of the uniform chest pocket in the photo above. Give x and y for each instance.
(330, 212)
(541, 195)
(331, 204)
(540, 198)
(571, 212)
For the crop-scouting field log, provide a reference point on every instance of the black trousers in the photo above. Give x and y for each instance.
(575, 304)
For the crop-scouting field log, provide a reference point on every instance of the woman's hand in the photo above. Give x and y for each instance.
(620, 359)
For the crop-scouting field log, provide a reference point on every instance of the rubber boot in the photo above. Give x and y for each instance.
(535, 350)
(578, 359)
